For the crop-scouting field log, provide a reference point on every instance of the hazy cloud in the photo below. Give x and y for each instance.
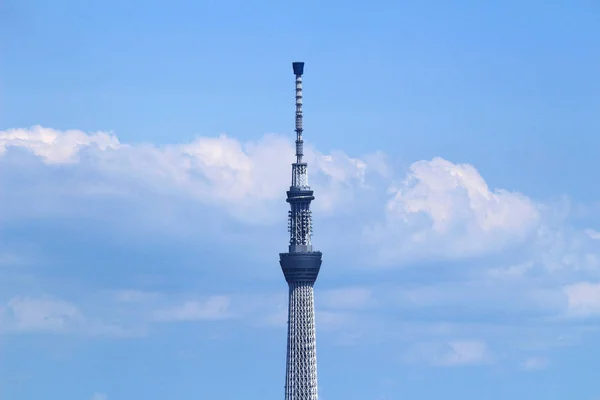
(452, 353)
(40, 314)
(584, 298)
(535, 363)
(352, 298)
(214, 307)
(593, 234)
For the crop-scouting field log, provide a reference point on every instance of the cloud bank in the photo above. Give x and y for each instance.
(437, 208)
(498, 250)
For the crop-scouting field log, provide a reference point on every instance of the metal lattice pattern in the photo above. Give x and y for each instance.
(301, 370)
(300, 176)
(300, 224)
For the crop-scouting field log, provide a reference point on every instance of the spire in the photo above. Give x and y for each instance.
(298, 71)
(299, 196)
(299, 172)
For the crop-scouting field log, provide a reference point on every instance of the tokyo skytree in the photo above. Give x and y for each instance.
(300, 267)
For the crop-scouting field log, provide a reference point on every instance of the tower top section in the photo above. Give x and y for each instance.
(300, 195)
(298, 67)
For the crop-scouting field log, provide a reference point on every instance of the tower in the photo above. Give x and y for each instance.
(300, 267)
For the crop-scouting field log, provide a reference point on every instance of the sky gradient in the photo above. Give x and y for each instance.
(145, 151)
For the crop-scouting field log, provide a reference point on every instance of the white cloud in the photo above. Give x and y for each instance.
(464, 353)
(135, 296)
(451, 353)
(46, 314)
(352, 298)
(456, 196)
(246, 179)
(214, 307)
(55, 147)
(41, 314)
(583, 298)
(99, 396)
(448, 209)
(344, 328)
(275, 319)
(593, 234)
(487, 295)
(512, 271)
(439, 210)
(237, 172)
(535, 363)
(332, 320)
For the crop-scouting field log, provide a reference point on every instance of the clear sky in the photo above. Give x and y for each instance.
(145, 150)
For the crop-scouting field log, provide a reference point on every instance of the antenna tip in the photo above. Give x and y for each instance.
(298, 68)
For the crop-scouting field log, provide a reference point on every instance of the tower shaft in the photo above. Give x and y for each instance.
(301, 371)
(300, 266)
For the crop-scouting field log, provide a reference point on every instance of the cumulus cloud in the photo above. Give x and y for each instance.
(448, 209)
(246, 179)
(455, 196)
(438, 209)
(53, 146)
(438, 206)
(368, 213)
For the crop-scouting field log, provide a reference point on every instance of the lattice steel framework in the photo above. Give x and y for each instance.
(300, 266)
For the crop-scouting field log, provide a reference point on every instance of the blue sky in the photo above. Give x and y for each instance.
(144, 158)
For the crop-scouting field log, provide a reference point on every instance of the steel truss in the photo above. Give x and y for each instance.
(301, 371)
